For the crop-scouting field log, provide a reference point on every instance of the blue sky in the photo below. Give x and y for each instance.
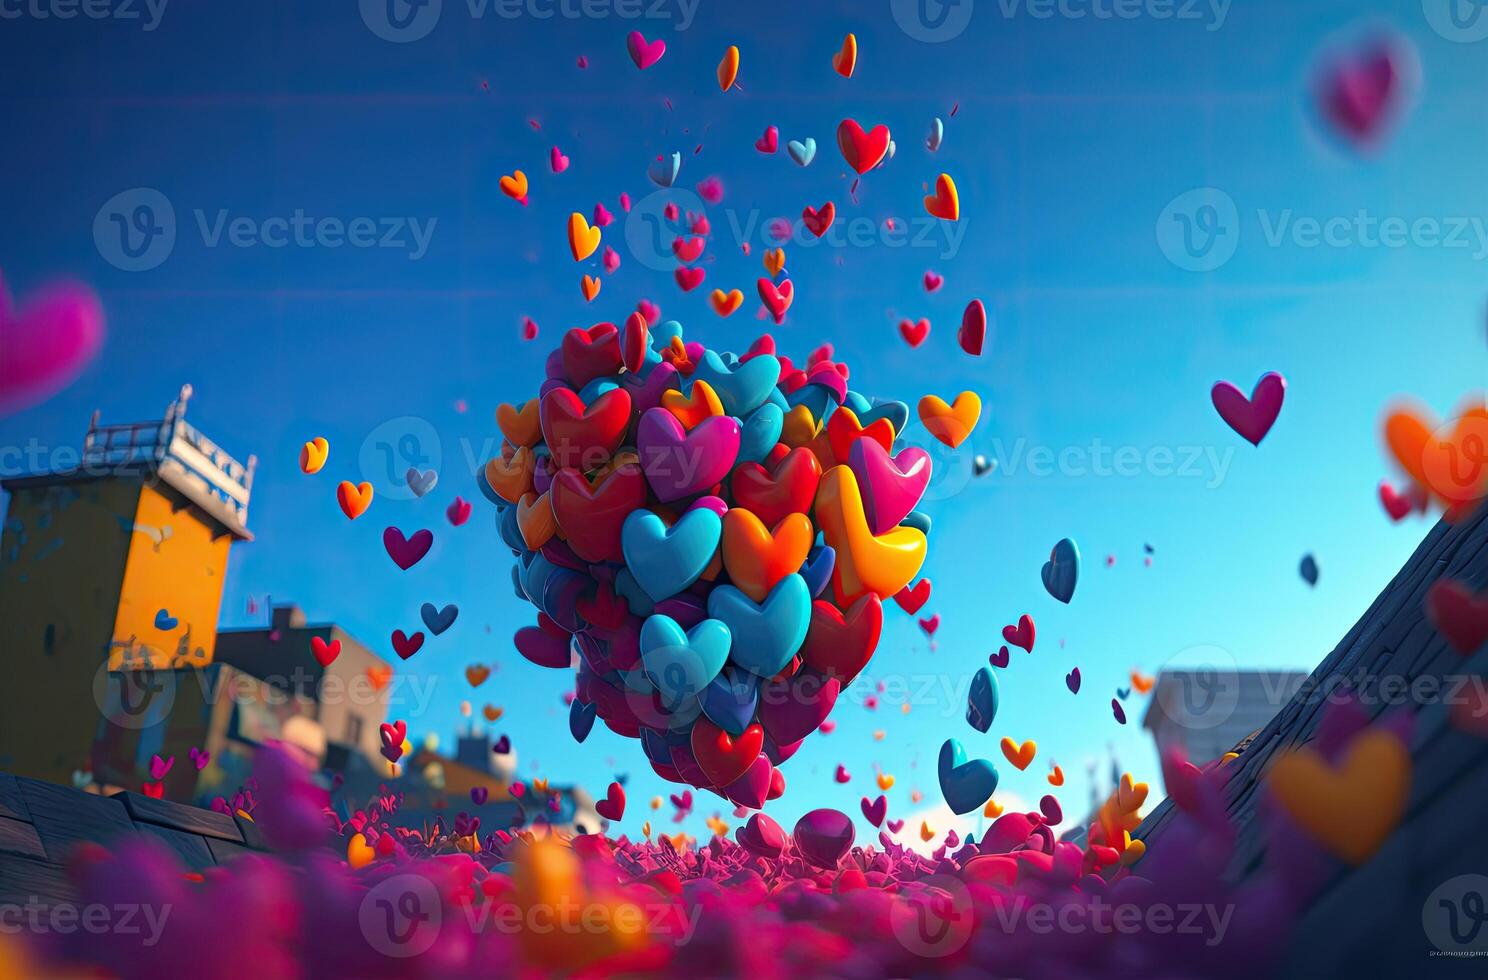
(1072, 137)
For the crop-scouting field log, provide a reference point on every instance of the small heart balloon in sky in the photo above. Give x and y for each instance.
(1251, 417)
(47, 342)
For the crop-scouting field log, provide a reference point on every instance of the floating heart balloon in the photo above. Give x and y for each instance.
(1251, 417)
(981, 700)
(673, 525)
(965, 784)
(802, 152)
(1062, 570)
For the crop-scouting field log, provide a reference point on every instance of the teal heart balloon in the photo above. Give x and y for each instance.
(681, 664)
(636, 599)
(817, 398)
(663, 172)
(742, 388)
(760, 432)
(859, 405)
(662, 334)
(665, 560)
(981, 700)
(896, 412)
(766, 635)
(965, 785)
(802, 151)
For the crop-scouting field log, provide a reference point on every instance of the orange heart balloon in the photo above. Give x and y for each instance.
(354, 500)
(944, 203)
(757, 557)
(728, 68)
(702, 404)
(724, 304)
(582, 239)
(1350, 809)
(951, 424)
(522, 426)
(884, 564)
(1448, 460)
(845, 60)
(492, 712)
(511, 478)
(1019, 755)
(800, 427)
(313, 455)
(589, 286)
(774, 260)
(515, 186)
(535, 519)
(476, 674)
(885, 781)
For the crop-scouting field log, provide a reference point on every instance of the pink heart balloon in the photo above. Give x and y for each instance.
(48, 342)
(1251, 417)
(890, 485)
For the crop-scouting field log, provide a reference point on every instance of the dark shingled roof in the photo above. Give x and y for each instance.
(41, 823)
(1368, 920)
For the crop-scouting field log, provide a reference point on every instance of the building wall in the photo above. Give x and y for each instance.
(177, 562)
(63, 554)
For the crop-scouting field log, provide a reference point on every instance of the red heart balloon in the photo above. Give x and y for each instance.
(592, 353)
(861, 150)
(579, 437)
(724, 758)
(772, 496)
(840, 646)
(590, 515)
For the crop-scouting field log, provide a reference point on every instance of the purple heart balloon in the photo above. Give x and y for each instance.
(875, 811)
(762, 836)
(824, 836)
(752, 788)
(679, 463)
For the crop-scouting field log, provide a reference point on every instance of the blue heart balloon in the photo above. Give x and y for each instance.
(664, 172)
(581, 719)
(1309, 569)
(817, 398)
(489, 494)
(896, 412)
(859, 404)
(743, 388)
(919, 520)
(778, 399)
(636, 599)
(665, 560)
(760, 432)
(817, 570)
(560, 595)
(662, 334)
(598, 387)
(438, 620)
(680, 663)
(517, 582)
(730, 701)
(766, 635)
(802, 151)
(535, 578)
(510, 531)
(965, 785)
(1062, 570)
(658, 744)
(981, 700)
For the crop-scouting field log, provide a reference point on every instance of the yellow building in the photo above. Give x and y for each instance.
(111, 578)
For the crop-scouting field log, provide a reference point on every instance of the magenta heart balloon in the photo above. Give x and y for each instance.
(890, 485)
(679, 463)
(1251, 417)
(47, 343)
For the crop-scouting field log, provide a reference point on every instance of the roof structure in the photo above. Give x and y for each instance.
(1370, 919)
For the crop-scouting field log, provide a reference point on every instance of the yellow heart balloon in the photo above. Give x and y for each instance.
(882, 564)
(313, 455)
(703, 403)
(1350, 809)
(359, 853)
(582, 239)
(951, 424)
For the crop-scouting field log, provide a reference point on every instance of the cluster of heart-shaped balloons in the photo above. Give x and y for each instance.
(710, 538)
